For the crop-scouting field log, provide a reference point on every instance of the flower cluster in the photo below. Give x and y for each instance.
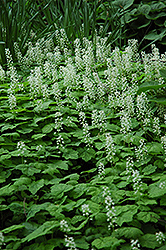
(125, 120)
(58, 122)
(89, 87)
(133, 175)
(160, 237)
(69, 241)
(12, 101)
(85, 209)
(64, 226)
(98, 119)
(156, 126)
(20, 58)
(2, 74)
(39, 147)
(56, 92)
(78, 54)
(110, 148)
(162, 185)
(48, 69)
(103, 50)
(101, 170)
(12, 73)
(163, 143)
(88, 55)
(1, 239)
(21, 148)
(60, 142)
(141, 151)
(101, 87)
(69, 74)
(86, 133)
(87, 137)
(35, 80)
(137, 183)
(129, 167)
(110, 208)
(135, 245)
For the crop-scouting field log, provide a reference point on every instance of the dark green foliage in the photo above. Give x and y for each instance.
(45, 180)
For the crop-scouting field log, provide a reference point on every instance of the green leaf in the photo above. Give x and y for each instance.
(77, 218)
(70, 154)
(163, 201)
(55, 211)
(22, 181)
(161, 101)
(48, 128)
(36, 208)
(82, 243)
(124, 3)
(128, 232)
(148, 216)
(163, 72)
(113, 127)
(146, 201)
(69, 206)
(149, 241)
(25, 130)
(155, 190)
(80, 226)
(36, 185)
(6, 190)
(150, 85)
(99, 145)
(144, 9)
(79, 190)
(61, 164)
(126, 216)
(44, 229)
(3, 207)
(12, 228)
(155, 148)
(152, 35)
(159, 164)
(58, 190)
(38, 136)
(88, 154)
(107, 242)
(149, 169)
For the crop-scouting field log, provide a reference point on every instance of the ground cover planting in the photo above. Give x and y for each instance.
(83, 147)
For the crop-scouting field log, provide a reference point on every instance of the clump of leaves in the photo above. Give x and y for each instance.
(82, 158)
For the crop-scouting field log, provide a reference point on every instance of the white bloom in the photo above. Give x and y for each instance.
(135, 245)
(160, 237)
(110, 207)
(162, 185)
(110, 148)
(141, 151)
(156, 126)
(21, 148)
(64, 226)
(125, 120)
(39, 148)
(85, 209)
(101, 170)
(1, 239)
(70, 243)
(2, 74)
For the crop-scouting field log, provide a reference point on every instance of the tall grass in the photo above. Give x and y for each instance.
(78, 18)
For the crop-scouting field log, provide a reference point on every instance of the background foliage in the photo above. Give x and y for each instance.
(82, 120)
(30, 20)
(83, 156)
